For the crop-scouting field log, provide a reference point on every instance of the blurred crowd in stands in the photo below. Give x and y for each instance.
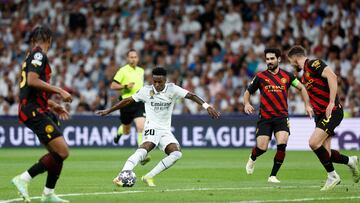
(211, 47)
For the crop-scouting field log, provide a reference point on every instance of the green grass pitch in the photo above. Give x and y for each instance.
(202, 175)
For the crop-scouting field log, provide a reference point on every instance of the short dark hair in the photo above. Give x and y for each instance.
(275, 51)
(40, 34)
(159, 71)
(130, 50)
(296, 50)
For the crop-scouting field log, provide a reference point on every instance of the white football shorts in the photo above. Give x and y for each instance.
(161, 138)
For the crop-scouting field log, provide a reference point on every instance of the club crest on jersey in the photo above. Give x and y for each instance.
(152, 93)
(307, 74)
(283, 80)
(49, 129)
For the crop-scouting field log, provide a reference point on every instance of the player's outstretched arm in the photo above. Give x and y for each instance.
(211, 110)
(117, 106)
(34, 81)
(247, 106)
(305, 97)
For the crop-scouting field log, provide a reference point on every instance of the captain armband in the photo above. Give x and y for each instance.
(295, 82)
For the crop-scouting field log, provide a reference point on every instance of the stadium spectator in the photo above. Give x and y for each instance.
(102, 32)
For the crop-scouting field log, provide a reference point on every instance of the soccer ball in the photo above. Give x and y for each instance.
(127, 178)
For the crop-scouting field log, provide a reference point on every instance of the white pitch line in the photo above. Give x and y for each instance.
(200, 189)
(301, 200)
(76, 194)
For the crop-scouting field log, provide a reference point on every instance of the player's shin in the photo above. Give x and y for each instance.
(324, 158)
(278, 159)
(165, 163)
(36, 169)
(336, 157)
(54, 164)
(134, 159)
(256, 152)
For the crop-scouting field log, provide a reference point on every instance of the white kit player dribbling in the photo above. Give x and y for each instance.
(159, 100)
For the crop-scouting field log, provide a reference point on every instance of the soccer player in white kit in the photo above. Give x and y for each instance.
(159, 99)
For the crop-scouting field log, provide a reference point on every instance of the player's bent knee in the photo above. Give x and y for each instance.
(64, 154)
(314, 145)
(177, 154)
(263, 148)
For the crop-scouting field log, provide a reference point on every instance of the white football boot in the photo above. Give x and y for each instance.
(273, 179)
(250, 165)
(354, 167)
(331, 182)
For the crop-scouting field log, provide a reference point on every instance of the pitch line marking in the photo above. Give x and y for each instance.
(201, 189)
(301, 200)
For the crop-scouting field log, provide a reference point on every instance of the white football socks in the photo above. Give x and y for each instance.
(165, 163)
(48, 191)
(26, 176)
(134, 159)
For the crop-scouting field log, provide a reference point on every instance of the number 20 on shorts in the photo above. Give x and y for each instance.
(149, 132)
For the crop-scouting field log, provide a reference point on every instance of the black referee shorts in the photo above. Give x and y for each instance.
(129, 113)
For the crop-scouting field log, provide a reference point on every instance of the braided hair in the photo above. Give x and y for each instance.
(40, 34)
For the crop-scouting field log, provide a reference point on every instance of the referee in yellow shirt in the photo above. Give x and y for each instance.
(128, 80)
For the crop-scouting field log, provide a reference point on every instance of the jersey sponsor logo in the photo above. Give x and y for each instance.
(316, 64)
(160, 106)
(275, 88)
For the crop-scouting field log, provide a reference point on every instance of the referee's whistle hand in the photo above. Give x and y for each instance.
(130, 85)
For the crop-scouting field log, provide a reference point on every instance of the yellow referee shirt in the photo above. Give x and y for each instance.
(128, 74)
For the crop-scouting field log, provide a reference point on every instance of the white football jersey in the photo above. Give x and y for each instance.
(159, 105)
